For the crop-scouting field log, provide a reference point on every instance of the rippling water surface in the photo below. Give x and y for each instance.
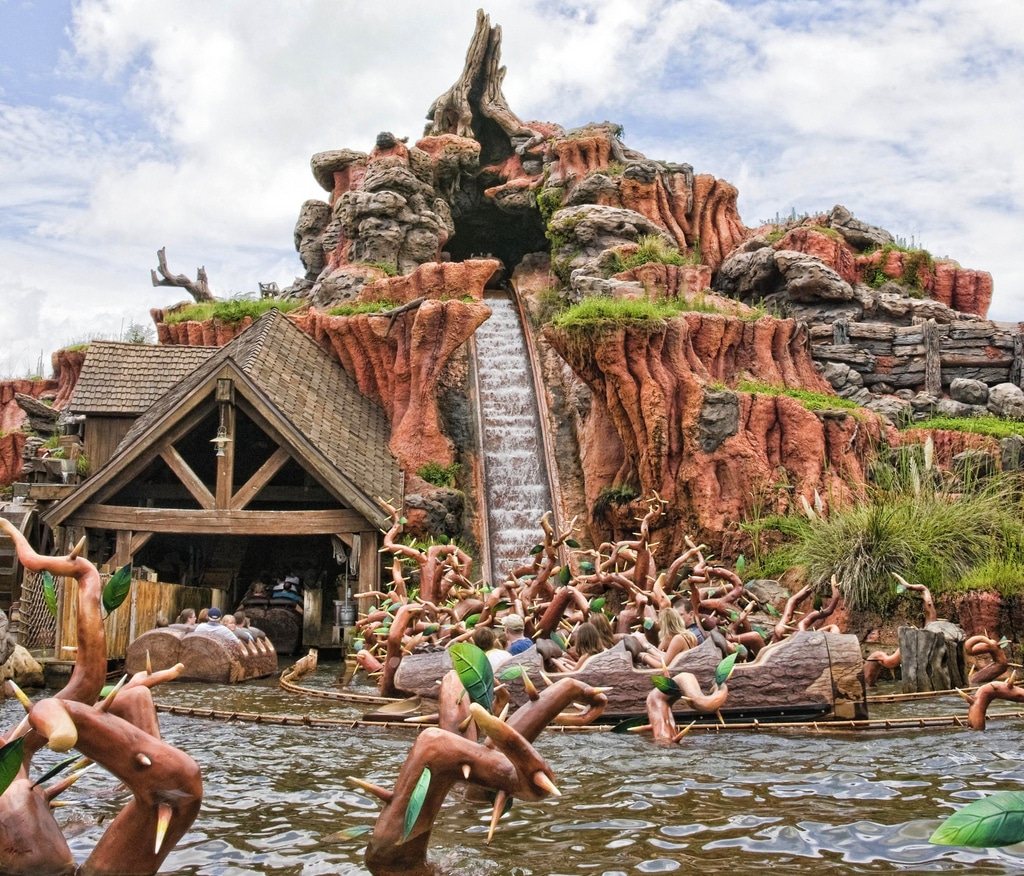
(738, 802)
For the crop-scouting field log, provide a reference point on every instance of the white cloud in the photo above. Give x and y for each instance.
(908, 113)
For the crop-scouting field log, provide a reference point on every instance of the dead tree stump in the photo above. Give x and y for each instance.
(932, 658)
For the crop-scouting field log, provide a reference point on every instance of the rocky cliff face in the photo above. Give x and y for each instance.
(483, 196)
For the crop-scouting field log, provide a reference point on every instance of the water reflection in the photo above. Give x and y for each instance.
(276, 798)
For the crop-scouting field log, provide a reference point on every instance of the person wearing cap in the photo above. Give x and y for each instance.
(212, 626)
(515, 640)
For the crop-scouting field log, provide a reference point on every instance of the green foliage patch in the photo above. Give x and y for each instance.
(439, 475)
(996, 427)
(813, 401)
(232, 310)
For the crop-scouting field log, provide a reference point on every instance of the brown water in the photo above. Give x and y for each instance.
(736, 803)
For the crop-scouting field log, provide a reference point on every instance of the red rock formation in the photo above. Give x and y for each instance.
(648, 394)
(946, 443)
(968, 291)
(12, 416)
(830, 248)
(197, 333)
(67, 368)
(11, 446)
(399, 364)
(434, 280)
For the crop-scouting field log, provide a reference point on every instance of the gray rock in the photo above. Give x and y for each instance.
(973, 464)
(443, 509)
(314, 217)
(1007, 400)
(949, 407)
(891, 408)
(326, 164)
(838, 374)
(808, 278)
(6, 642)
(586, 285)
(924, 403)
(719, 418)
(1011, 452)
(859, 235)
(970, 392)
(749, 274)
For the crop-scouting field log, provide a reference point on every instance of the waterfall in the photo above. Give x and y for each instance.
(517, 490)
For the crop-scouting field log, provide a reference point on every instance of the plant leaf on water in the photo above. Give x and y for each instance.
(997, 820)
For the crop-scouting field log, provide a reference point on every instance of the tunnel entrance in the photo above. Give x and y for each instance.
(481, 229)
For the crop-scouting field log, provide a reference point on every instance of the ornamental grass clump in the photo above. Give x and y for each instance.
(932, 537)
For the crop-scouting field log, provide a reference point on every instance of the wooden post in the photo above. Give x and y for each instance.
(312, 601)
(1017, 368)
(369, 561)
(933, 361)
(932, 658)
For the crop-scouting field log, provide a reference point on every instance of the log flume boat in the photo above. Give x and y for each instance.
(810, 676)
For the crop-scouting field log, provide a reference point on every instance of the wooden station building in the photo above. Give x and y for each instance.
(214, 467)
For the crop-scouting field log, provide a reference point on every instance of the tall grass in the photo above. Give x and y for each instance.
(916, 524)
(231, 310)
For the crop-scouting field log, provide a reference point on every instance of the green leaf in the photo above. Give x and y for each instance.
(587, 568)
(349, 833)
(430, 629)
(667, 686)
(900, 589)
(741, 564)
(648, 623)
(993, 821)
(475, 672)
(512, 673)
(59, 768)
(564, 575)
(558, 640)
(116, 590)
(772, 610)
(536, 549)
(419, 794)
(630, 723)
(49, 593)
(402, 521)
(597, 603)
(471, 620)
(572, 543)
(725, 668)
(10, 762)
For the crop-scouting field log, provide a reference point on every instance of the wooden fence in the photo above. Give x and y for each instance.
(138, 613)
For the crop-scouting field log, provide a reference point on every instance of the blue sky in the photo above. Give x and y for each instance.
(126, 126)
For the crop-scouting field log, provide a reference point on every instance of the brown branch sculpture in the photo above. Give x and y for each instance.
(877, 661)
(506, 764)
(199, 288)
(121, 734)
(984, 695)
(997, 666)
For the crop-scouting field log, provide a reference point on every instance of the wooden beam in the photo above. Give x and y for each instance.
(188, 477)
(260, 479)
(139, 540)
(218, 522)
(122, 549)
(226, 463)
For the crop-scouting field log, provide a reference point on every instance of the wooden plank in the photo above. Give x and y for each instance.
(933, 363)
(188, 477)
(218, 522)
(982, 361)
(248, 491)
(49, 492)
(226, 456)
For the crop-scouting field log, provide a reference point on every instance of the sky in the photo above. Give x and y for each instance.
(131, 125)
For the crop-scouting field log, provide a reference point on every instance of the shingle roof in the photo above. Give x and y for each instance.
(310, 390)
(122, 378)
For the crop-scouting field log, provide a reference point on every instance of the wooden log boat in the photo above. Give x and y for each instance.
(206, 657)
(279, 619)
(811, 675)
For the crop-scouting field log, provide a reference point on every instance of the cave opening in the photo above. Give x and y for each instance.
(482, 229)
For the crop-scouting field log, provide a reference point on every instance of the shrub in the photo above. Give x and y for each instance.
(439, 475)
(652, 248)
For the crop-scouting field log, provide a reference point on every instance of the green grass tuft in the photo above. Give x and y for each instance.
(230, 311)
(813, 401)
(996, 427)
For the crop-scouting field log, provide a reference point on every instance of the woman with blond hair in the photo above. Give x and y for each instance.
(673, 639)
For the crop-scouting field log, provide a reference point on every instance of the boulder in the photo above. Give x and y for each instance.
(23, 669)
(808, 278)
(1006, 400)
(859, 235)
(968, 391)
